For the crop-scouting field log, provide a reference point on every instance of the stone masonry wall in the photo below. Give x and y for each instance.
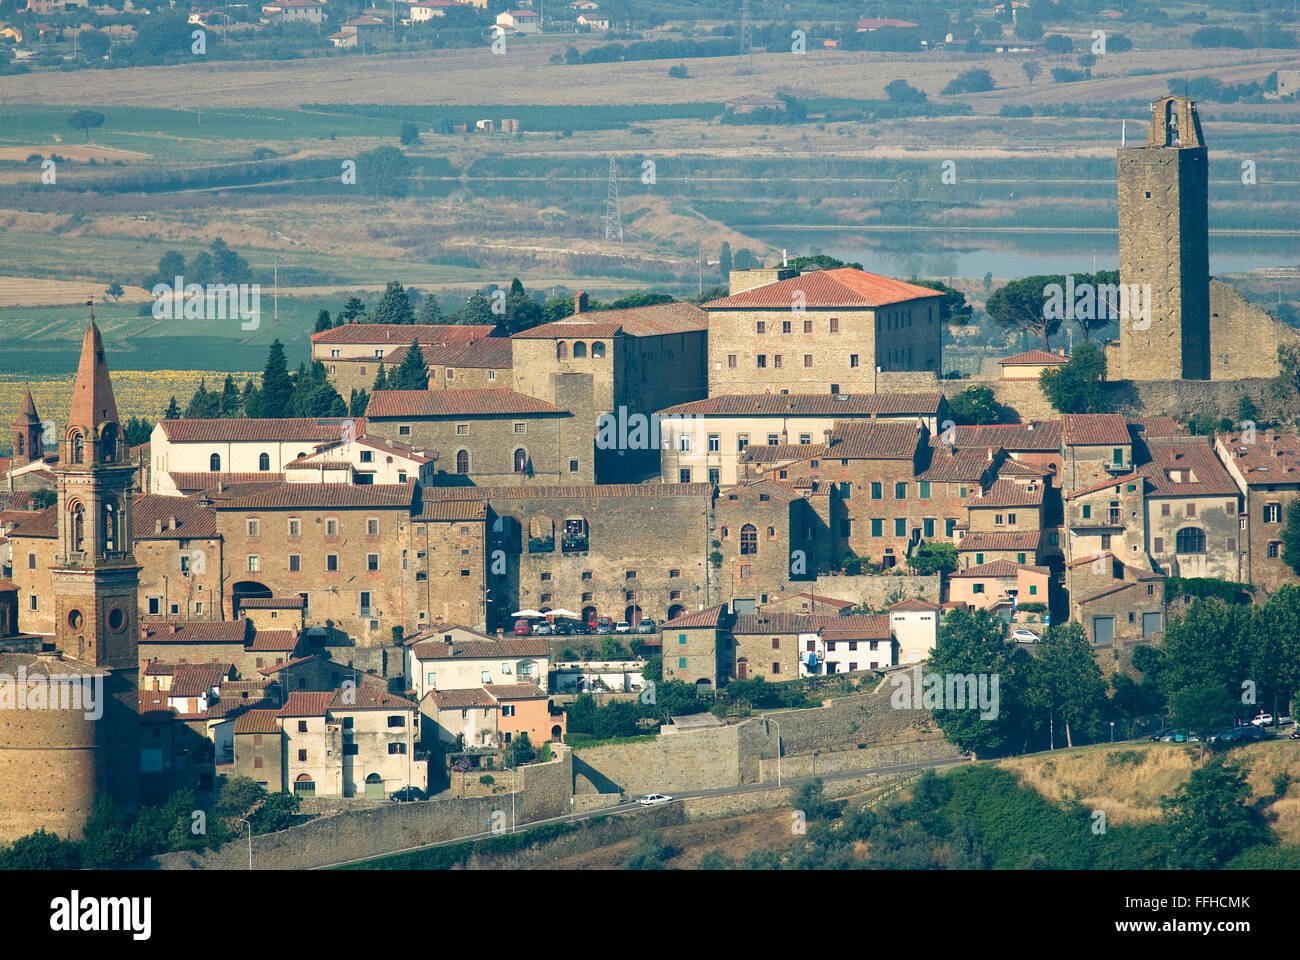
(875, 590)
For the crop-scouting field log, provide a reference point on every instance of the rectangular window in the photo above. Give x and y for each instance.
(776, 643)
(1087, 511)
(404, 430)
(846, 491)
(762, 361)
(1274, 550)
(900, 526)
(715, 442)
(785, 326)
(776, 667)
(684, 443)
(254, 563)
(1033, 589)
(900, 491)
(521, 428)
(367, 456)
(332, 562)
(1272, 513)
(254, 526)
(877, 490)
(295, 562)
(773, 439)
(731, 361)
(331, 528)
(853, 360)
(924, 492)
(979, 558)
(302, 756)
(807, 326)
(835, 324)
(877, 527)
(681, 663)
(949, 525)
(1117, 455)
(977, 588)
(372, 526)
(760, 327)
(684, 475)
(927, 527)
(807, 361)
(295, 527)
(1191, 509)
(1158, 544)
(742, 441)
(372, 562)
(1020, 558)
(573, 466)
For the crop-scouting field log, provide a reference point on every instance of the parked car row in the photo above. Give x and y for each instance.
(566, 628)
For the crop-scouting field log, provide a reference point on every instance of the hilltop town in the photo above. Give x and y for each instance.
(585, 560)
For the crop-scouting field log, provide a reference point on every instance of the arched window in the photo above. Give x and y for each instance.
(78, 448)
(597, 351)
(575, 536)
(108, 443)
(1190, 540)
(579, 349)
(112, 521)
(214, 463)
(561, 351)
(264, 461)
(748, 539)
(77, 527)
(462, 461)
(541, 535)
(521, 460)
(18, 445)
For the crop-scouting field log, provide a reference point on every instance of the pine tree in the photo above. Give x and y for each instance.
(276, 394)
(477, 311)
(351, 311)
(413, 373)
(173, 410)
(381, 380)
(359, 401)
(429, 311)
(203, 405)
(323, 321)
(231, 401)
(394, 306)
(724, 261)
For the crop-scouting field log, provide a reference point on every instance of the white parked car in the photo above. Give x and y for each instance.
(1262, 720)
(622, 627)
(1025, 636)
(650, 799)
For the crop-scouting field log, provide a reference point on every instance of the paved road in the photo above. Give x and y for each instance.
(632, 808)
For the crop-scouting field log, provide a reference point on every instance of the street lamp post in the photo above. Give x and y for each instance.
(250, 842)
(1112, 731)
(778, 751)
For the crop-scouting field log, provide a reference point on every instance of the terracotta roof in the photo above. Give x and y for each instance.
(1152, 427)
(443, 511)
(274, 641)
(42, 523)
(515, 691)
(1039, 436)
(842, 287)
(874, 441)
(228, 709)
(1018, 468)
(569, 492)
(651, 321)
(258, 721)
(235, 430)
(368, 697)
(1114, 588)
(1272, 459)
(997, 568)
(7, 586)
(817, 598)
(381, 334)
(1027, 540)
(481, 649)
(1186, 458)
(48, 667)
(196, 679)
(1103, 485)
(27, 412)
(92, 394)
(1009, 493)
(328, 495)
(870, 626)
(1091, 558)
(189, 482)
(492, 353)
(459, 699)
(285, 666)
(474, 402)
(760, 623)
(1033, 358)
(916, 603)
(756, 491)
(245, 686)
(967, 465)
(181, 518)
(1094, 430)
(782, 452)
(195, 631)
(16, 499)
(706, 618)
(272, 603)
(300, 703)
(815, 404)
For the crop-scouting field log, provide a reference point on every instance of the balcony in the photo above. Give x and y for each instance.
(541, 544)
(574, 544)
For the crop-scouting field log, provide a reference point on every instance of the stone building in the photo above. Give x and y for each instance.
(1193, 511)
(1094, 446)
(733, 437)
(180, 554)
(1107, 519)
(353, 353)
(767, 536)
(445, 563)
(1128, 609)
(1266, 470)
(772, 645)
(998, 581)
(697, 647)
(595, 549)
(827, 331)
(341, 547)
(488, 436)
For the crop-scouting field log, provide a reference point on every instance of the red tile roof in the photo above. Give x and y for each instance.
(327, 495)
(92, 393)
(816, 404)
(871, 626)
(197, 679)
(195, 631)
(181, 518)
(1200, 473)
(473, 402)
(381, 334)
(997, 568)
(269, 430)
(272, 603)
(515, 691)
(1034, 358)
(368, 697)
(274, 641)
(1095, 429)
(1009, 493)
(460, 699)
(188, 482)
(706, 618)
(258, 721)
(480, 649)
(842, 287)
(301, 703)
(493, 353)
(42, 523)
(1039, 436)
(1104, 485)
(450, 511)
(1274, 458)
(569, 492)
(967, 465)
(915, 603)
(827, 601)
(1027, 540)
(782, 452)
(874, 441)
(765, 622)
(651, 321)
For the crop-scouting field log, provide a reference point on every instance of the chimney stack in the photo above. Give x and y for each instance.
(579, 303)
(175, 627)
(171, 523)
(157, 526)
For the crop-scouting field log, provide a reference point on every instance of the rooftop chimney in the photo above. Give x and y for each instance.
(579, 303)
(171, 523)
(175, 627)
(157, 526)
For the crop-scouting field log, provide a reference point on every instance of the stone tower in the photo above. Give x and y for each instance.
(1164, 243)
(95, 576)
(28, 445)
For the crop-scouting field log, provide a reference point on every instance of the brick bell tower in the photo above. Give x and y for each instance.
(28, 445)
(95, 576)
(1164, 242)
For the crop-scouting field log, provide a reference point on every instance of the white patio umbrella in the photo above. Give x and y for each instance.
(527, 613)
(561, 612)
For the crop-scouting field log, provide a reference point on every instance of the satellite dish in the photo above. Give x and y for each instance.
(821, 655)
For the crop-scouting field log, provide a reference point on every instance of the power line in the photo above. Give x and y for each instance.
(613, 219)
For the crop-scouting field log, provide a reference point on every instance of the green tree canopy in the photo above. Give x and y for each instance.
(975, 405)
(394, 306)
(412, 373)
(1075, 387)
